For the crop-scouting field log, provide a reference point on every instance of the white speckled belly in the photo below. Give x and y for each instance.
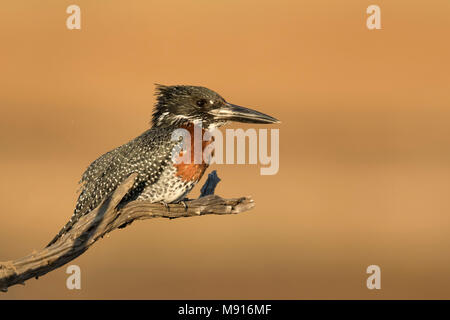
(169, 188)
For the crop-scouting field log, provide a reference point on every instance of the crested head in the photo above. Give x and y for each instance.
(182, 105)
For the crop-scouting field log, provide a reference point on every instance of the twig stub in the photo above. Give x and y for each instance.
(107, 217)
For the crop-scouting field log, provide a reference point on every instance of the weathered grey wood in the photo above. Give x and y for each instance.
(210, 185)
(104, 219)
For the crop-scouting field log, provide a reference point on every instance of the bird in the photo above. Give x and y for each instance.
(160, 177)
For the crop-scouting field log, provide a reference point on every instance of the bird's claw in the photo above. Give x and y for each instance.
(184, 205)
(183, 202)
(165, 204)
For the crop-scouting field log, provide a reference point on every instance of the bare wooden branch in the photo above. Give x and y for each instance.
(104, 219)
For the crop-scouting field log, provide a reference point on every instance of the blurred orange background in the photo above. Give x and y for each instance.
(364, 144)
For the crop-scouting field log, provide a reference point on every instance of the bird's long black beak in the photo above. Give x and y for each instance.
(232, 112)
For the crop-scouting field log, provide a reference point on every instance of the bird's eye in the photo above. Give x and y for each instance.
(201, 102)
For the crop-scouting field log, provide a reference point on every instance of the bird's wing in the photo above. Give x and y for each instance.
(146, 155)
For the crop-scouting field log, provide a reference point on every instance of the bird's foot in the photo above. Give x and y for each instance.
(165, 204)
(183, 202)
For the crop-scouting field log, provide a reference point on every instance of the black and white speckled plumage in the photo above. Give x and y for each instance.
(150, 155)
